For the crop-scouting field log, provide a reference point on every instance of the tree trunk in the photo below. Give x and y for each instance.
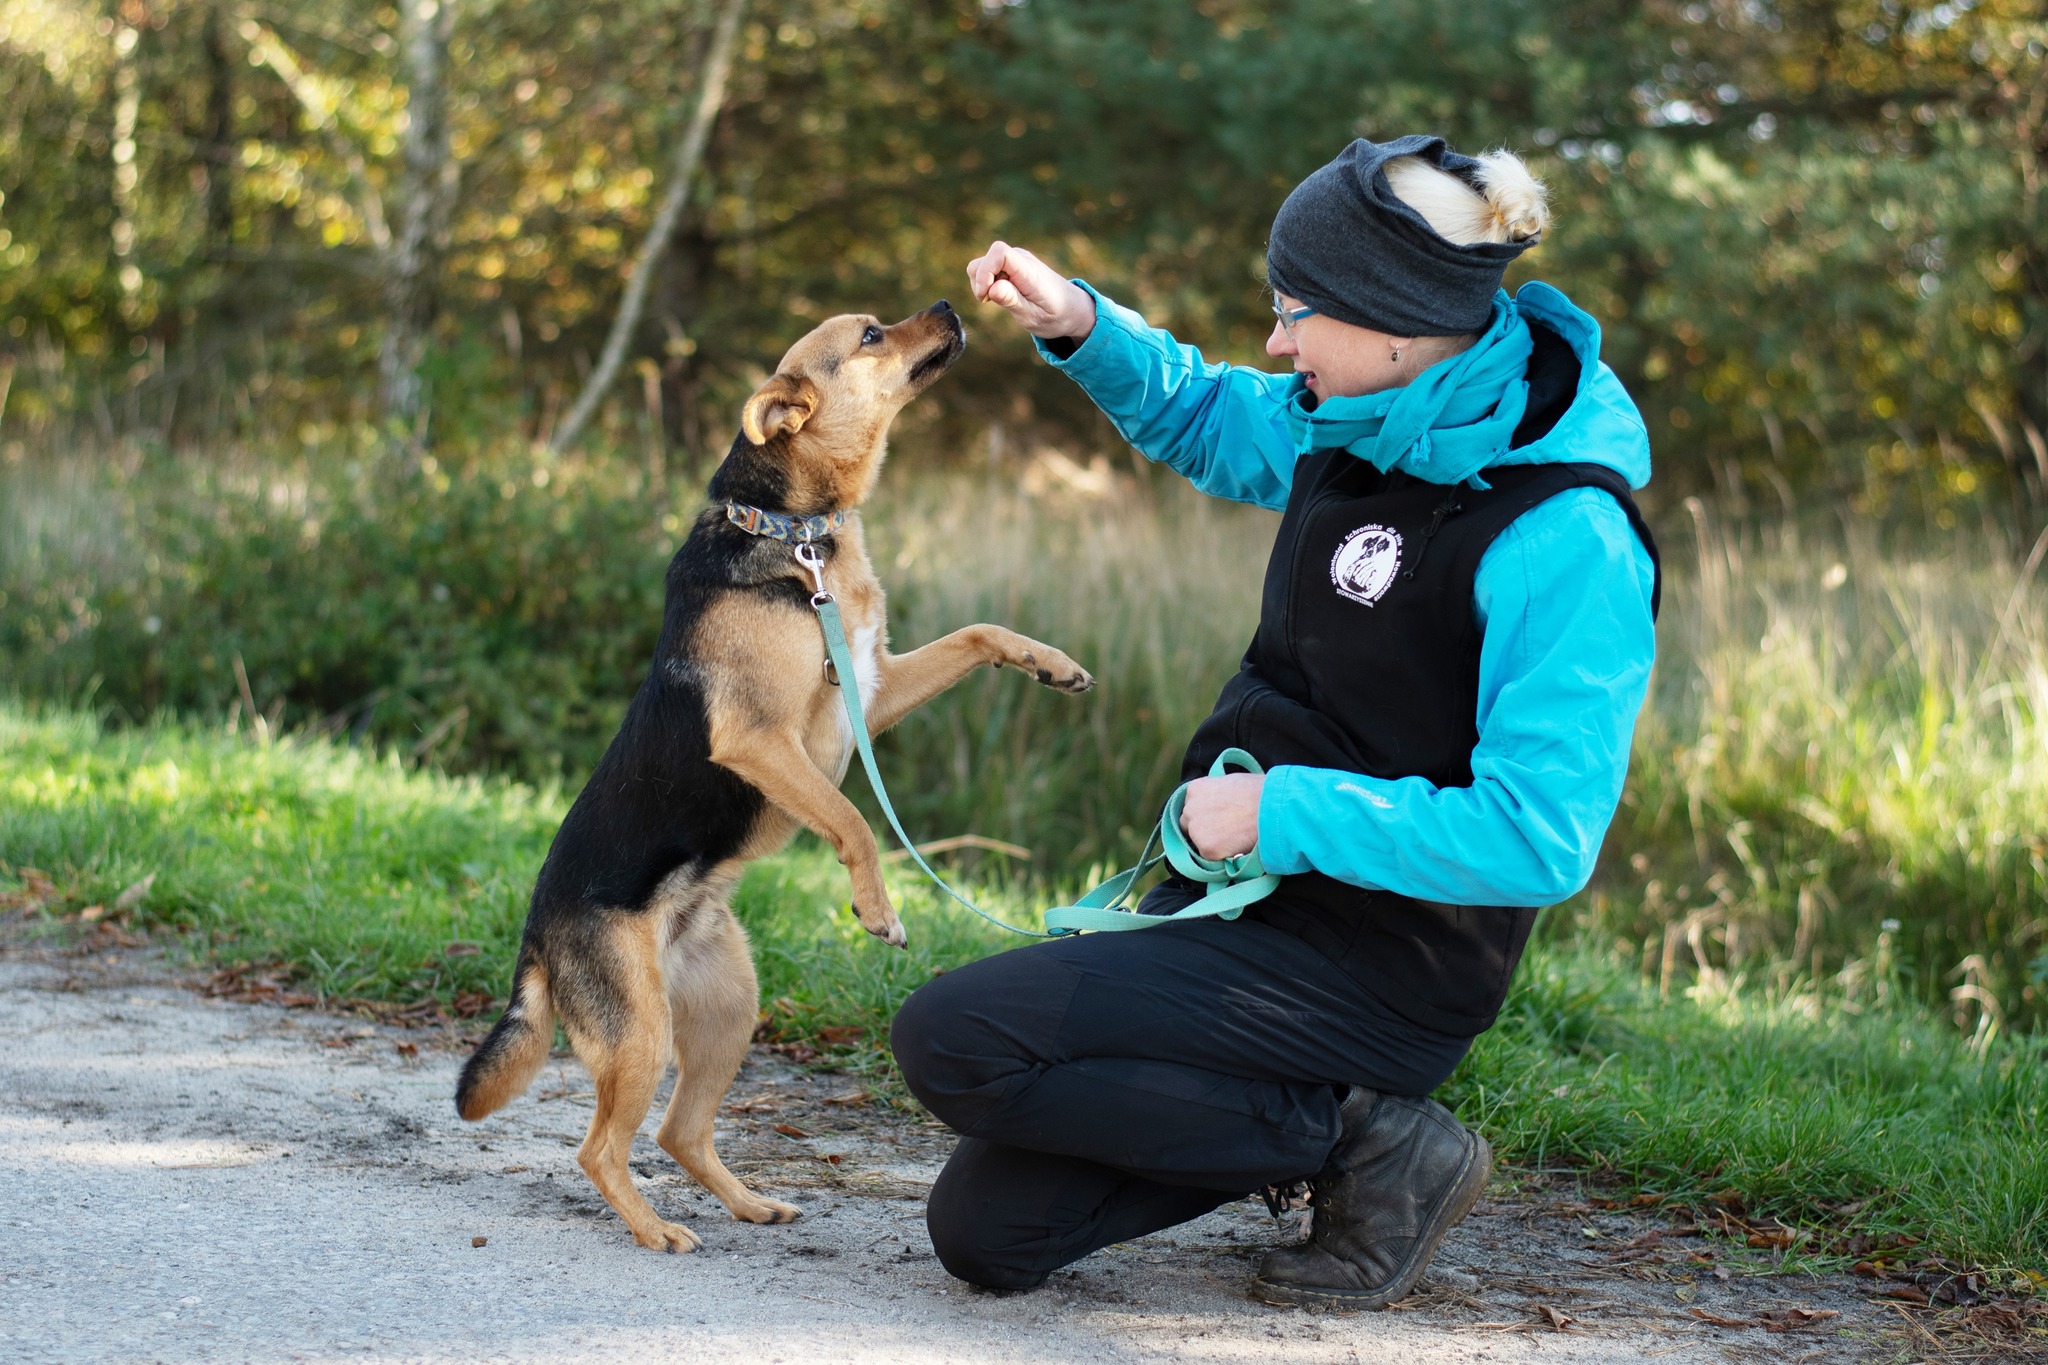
(426, 199)
(217, 134)
(711, 77)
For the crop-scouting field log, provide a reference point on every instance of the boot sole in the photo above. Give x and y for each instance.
(1451, 1212)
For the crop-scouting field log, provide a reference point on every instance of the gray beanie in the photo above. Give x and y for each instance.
(1348, 247)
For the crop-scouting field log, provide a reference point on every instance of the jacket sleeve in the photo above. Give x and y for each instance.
(1217, 425)
(1563, 596)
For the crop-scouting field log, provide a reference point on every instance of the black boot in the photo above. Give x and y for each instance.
(1401, 1176)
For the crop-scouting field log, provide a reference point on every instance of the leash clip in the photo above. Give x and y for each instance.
(808, 556)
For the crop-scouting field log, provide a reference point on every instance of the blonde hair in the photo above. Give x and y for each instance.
(1510, 204)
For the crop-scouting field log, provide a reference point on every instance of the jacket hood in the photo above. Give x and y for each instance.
(1602, 425)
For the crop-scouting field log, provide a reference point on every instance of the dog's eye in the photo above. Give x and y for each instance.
(871, 337)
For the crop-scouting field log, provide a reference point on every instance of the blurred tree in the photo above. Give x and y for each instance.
(710, 93)
(1813, 231)
(426, 196)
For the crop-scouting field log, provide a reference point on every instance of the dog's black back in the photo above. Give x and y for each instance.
(656, 801)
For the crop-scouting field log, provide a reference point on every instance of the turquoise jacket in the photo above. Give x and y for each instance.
(1562, 596)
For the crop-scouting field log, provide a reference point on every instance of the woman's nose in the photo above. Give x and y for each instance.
(1280, 343)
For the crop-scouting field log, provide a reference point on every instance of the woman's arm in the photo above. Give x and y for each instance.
(1564, 597)
(1217, 425)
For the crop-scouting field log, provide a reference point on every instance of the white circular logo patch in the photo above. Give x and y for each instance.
(1364, 564)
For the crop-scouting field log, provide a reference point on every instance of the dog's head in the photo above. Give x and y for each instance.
(824, 415)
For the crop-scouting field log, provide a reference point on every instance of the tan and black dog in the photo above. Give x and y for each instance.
(736, 737)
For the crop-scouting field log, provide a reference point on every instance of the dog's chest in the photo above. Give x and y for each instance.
(867, 675)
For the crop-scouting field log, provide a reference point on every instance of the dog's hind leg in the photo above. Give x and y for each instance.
(713, 998)
(621, 1035)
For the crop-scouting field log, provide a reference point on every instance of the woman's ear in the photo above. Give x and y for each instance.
(779, 407)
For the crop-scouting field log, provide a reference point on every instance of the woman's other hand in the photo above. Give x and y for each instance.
(1045, 302)
(1221, 814)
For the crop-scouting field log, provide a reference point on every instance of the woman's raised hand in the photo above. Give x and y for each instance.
(1045, 302)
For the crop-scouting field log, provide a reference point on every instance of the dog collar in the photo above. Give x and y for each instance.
(757, 521)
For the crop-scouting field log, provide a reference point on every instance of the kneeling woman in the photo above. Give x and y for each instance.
(1454, 640)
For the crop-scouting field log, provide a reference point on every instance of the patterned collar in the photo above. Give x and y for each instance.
(756, 521)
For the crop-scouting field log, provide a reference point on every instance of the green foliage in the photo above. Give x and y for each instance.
(369, 880)
(500, 613)
(1814, 234)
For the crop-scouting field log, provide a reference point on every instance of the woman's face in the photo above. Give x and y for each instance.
(1340, 359)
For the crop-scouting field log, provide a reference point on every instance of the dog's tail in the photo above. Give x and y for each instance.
(504, 1064)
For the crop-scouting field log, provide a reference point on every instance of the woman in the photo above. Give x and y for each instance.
(1455, 637)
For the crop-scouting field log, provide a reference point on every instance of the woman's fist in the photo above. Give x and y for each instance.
(1039, 297)
(1221, 814)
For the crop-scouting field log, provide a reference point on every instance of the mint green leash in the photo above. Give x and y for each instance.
(1230, 883)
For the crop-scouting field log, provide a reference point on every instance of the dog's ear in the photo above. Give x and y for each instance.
(779, 407)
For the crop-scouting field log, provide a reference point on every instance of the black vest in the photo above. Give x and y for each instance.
(1367, 660)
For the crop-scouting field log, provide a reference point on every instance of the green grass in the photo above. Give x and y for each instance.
(1881, 1121)
(1801, 1103)
(360, 875)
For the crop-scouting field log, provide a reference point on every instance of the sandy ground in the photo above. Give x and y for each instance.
(191, 1180)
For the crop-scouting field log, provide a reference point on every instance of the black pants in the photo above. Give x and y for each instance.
(1115, 1084)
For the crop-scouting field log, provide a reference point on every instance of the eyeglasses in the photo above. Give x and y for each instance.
(1289, 316)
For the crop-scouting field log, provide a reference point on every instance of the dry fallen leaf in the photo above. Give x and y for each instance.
(92, 913)
(478, 1241)
(407, 1049)
(515, 1170)
(1905, 1292)
(132, 897)
(1558, 1320)
(837, 1035)
(1717, 1320)
(790, 1130)
(856, 1098)
(1792, 1319)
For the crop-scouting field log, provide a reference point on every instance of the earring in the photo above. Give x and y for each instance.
(1397, 355)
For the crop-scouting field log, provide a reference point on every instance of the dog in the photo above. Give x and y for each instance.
(736, 736)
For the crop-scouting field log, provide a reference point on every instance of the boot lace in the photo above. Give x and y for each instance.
(1285, 1198)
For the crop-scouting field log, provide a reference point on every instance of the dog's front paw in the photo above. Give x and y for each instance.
(878, 917)
(1055, 670)
(885, 927)
(671, 1237)
(761, 1209)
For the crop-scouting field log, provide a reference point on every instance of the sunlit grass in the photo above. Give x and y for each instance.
(1887, 1121)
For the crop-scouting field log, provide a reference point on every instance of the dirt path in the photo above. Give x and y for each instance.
(192, 1180)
